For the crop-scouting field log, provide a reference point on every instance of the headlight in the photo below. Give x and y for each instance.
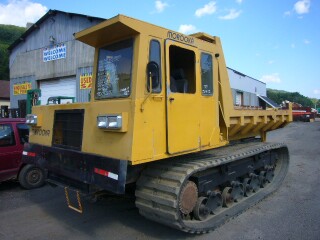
(32, 119)
(109, 121)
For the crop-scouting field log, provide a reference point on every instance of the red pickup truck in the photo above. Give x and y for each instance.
(13, 134)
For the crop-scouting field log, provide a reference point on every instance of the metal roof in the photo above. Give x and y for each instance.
(44, 18)
(243, 75)
(269, 101)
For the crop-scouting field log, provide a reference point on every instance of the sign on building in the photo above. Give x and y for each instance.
(21, 88)
(85, 80)
(54, 53)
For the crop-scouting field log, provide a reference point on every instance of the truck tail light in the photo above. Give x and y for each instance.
(29, 154)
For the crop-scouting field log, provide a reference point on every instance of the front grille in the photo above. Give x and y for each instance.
(68, 129)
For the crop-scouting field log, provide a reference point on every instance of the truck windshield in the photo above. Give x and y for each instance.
(114, 70)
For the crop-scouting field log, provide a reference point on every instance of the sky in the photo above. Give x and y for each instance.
(274, 41)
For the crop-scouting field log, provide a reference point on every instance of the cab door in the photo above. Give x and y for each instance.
(183, 112)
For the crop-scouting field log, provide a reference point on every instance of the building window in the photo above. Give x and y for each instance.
(206, 74)
(155, 56)
(6, 135)
(114, 70)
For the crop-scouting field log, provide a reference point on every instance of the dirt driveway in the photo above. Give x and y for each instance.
(293, 212)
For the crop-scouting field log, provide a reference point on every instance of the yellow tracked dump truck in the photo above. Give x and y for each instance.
(161, 116)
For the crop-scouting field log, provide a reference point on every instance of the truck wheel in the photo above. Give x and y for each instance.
(31, 177)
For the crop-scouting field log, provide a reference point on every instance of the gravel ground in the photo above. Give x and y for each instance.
(293, 212)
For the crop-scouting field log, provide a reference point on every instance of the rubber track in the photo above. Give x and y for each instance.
(159, 186)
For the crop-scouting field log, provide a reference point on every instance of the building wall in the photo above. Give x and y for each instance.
(60, 26)
(249, 99)
(26, 59)
(245, 83)
(84, 91)
(31, 63)
(15, 95)
(247, 86)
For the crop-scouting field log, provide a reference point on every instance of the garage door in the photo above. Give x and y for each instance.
(57, 87)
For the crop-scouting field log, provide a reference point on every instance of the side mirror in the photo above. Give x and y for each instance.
(153, 77)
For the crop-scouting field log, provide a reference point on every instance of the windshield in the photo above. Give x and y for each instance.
(114, 70)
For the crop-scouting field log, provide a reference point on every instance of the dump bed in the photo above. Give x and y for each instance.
(248, 123)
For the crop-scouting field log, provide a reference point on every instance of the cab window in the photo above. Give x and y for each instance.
(206, 74)
(114, 70)
(182, 70)
(6, 135)
(155, 57)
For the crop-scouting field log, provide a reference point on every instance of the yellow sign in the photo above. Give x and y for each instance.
(85, 81)
(22, 88)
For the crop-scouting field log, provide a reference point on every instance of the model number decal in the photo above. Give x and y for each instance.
(41, 132)
(180, 37)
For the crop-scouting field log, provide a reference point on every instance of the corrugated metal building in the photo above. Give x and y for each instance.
(245, 89)
(48, 57)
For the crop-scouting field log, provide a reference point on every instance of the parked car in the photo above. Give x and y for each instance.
(13, 134)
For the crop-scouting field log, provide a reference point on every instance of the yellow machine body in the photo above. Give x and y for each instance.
(165, 122)
(161, 116)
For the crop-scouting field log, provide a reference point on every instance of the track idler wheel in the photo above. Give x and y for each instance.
(188, 197)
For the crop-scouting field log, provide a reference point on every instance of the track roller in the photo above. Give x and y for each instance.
(207, 205)
(247, 188)
(201, 211)
(269, 174)
(237, 190)
(262, 179)
(254, 182)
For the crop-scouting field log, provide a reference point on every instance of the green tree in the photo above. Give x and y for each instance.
(314, 101)
(279, 96)
(8, 34)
